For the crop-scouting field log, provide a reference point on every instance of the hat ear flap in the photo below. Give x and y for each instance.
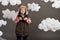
(26, 12)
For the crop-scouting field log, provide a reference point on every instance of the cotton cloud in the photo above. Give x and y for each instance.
(55, 4)
(2, 22)
(33, 7)
(2, 38)
(49, 24)
(12, 2)
(9, 14)
(49, 0)
(45, 0)
(1, 33)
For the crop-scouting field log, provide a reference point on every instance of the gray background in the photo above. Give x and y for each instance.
(36, 17)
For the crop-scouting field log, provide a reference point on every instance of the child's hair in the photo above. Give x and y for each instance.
(19, 8)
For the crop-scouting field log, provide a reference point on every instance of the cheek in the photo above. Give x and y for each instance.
(24, 11)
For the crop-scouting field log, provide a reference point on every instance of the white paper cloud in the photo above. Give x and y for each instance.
(9, 14)
(55, 4)
(49, 24)
(12, 2)
(2, 22)
(33, 7)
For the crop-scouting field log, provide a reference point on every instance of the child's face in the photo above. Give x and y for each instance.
(22, 10)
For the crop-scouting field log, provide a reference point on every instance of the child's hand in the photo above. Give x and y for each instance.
(20, 18)
(25, 18)
(16, 20)
(29, 21)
